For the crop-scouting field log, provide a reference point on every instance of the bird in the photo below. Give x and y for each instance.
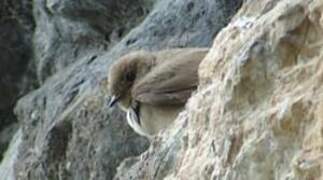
(152, 87)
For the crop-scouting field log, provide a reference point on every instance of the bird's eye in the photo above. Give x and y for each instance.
(130, 77)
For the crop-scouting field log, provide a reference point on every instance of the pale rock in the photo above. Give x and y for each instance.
(258, 113)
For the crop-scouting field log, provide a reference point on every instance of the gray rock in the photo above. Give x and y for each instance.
(6, 134)
(6, 166)
(68, 131)
(68, 30)
(16, 74)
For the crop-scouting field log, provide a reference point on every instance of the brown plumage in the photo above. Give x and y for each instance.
(153, 87)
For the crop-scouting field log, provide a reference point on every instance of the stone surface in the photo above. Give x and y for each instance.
(68, 132)
(6, 167)
(16, 28)
(256, 115)
(258, 111)
(68, 30)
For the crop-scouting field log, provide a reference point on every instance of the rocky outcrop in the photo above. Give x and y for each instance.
(67, 131)
(7, 171)
(16, 70)
(258, 111)
(67, 31)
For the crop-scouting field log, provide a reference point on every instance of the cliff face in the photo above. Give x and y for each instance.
(257, 113)
(264, 83)
(67, 130)
(16, 71)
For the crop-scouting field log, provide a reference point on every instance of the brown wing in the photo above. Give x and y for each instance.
(171, 82)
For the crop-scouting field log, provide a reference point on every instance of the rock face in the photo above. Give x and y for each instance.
(16, 28)
(67, 30)
(67, 131)
(258, 111)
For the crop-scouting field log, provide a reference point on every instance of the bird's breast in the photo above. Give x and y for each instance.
(148, 120)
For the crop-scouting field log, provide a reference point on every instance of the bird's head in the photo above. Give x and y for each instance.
(123, 74)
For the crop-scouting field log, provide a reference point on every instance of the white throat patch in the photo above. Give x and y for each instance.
(133, 120)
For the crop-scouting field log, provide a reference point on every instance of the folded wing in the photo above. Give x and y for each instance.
(172, 82)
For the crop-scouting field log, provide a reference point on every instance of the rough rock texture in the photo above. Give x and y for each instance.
(68, 30)
(16, 28)
(68, 132)
(258, 111)
(10, 158)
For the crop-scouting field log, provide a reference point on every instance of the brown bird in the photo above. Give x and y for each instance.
(153, 87)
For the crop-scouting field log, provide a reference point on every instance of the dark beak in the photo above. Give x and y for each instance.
(113, 100)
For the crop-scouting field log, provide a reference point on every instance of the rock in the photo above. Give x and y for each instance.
(68, 132)
(16, 28)
(258, 111)
(68, 30)
(7, 164)
(5, 136)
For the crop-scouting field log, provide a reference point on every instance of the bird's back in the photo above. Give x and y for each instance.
(173, 79)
